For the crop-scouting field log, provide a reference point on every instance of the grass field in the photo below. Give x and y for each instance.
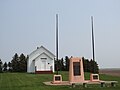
(24, 81)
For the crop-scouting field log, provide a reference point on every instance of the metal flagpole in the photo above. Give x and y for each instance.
(93, 44)
(57, 41)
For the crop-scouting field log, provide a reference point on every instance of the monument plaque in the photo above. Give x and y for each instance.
(57, 78)
(76, 68)
(94, 77)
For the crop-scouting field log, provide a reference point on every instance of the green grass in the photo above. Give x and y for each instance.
(24, 81)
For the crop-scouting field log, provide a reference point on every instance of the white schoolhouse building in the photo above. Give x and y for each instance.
(40, 61)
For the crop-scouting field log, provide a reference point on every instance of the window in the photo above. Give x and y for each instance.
(43, 58)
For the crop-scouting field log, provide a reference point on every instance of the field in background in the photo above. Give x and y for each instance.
(110, 71)
(24, 81)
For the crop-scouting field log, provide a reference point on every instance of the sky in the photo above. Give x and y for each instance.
(28, 24)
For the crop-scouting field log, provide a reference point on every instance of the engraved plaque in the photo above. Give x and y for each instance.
(95, 76)
(76, 68)
(57, 78)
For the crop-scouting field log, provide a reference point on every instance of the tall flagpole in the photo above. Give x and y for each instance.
(93, 43)
(57, 41)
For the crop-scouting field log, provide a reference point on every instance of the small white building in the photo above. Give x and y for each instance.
(41, 61)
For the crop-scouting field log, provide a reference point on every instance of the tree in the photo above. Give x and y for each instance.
(5, 67)
(1, 65)
(15, 64)
(9, 66)
(23, 63)
(62, 65)
(94, 67)
(67, 63)
(18, 64)
(57, 65)
(90, 66)
(86, 65)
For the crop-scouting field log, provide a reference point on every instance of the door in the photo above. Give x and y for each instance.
(43, 65)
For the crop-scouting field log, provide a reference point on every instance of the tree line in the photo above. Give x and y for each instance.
(17, 64)
(88, 65)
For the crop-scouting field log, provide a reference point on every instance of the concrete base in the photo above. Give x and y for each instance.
(85, 83)
(57, 79)
(56, 84)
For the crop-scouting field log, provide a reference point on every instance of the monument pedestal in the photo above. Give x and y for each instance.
(57, 79)
(76, 72)
(94, 77)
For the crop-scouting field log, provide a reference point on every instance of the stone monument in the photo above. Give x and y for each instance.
(57, 79)
(94, 77)
(76, 72)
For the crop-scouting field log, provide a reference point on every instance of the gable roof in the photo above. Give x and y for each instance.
(44, 49)
(48, 51)
(41, 54)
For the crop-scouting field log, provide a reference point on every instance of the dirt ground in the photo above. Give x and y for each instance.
(113, 72)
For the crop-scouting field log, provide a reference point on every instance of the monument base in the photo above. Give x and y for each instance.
(94, 77)
(57, 79)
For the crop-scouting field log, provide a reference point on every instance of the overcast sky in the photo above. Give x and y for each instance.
(27, 24)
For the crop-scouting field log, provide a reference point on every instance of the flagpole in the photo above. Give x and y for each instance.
(57, 41)
(93, 47)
